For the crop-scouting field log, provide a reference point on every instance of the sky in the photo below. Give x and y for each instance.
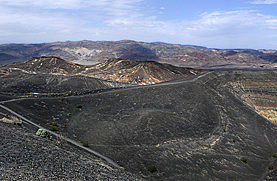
(209, 23)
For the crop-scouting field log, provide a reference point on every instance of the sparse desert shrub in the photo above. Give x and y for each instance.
(270, 167)
(79, 105)
(85, 144)
(43, 133)
(54, 123)
(152, 169)
(18, 123)
(61, 140)
(274, 155)
(244, 160)
(53, 128)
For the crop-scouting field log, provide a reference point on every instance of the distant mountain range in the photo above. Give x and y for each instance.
(91, 52)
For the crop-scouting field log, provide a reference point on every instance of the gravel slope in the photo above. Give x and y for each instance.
(25, 156)
(191, 130)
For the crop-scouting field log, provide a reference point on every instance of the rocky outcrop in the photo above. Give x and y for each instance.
(137, 72)
(259, 90)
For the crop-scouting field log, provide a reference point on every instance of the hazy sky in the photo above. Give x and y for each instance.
(213, 23)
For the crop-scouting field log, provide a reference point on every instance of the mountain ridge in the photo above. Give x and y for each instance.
(119, 70)
(92, 52)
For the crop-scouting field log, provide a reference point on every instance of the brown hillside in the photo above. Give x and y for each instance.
(120, 70)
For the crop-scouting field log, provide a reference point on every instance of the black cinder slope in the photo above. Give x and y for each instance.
(48, 65)
(25, 156)
(28, 84)
(190, 130)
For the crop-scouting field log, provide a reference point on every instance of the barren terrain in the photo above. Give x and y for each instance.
(260, 93)
(92, 52)
(25, 156)
(58, 74)
(194, 128)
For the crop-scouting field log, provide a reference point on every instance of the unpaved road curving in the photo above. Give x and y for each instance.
(190, 130)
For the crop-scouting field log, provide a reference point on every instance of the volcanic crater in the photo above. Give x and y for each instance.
(192, 125)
